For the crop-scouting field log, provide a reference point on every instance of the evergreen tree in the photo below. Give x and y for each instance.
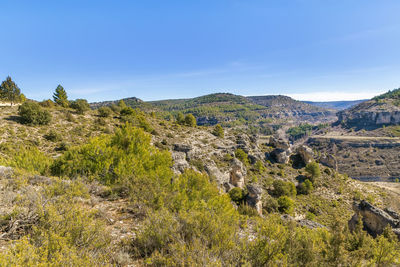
(60, 96)
(9, 91)
(190, 120)
(218, 131)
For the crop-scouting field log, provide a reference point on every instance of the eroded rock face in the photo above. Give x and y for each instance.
(254, 198)
(370, 114)
(329, 161)
(180, 163)
(213, 171)
(282, 151)
(306, 154)
(374, 219)
(303, 222)
(237, 173)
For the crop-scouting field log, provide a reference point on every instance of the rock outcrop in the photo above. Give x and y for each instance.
(374, 219)
(371, 114)
(254, 197)
(237, 173)
(215, 173)
(305, 153)
(303, 222)
(282, 150)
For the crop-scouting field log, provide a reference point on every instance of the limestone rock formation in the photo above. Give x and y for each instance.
(237, 173)
(375, 220)
(254, 197)
(282, 150)
(306, 154)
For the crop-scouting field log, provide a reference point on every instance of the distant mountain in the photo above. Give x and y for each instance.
(337, 105)
(377, 112)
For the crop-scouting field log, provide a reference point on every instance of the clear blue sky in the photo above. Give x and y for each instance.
(99, 50)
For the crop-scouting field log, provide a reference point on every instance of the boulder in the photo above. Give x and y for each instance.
(180, 163)
(305, 153)
(243, 142)
(303, 222)
(237, 173)
(329, 161)
(182, 147)
(374, 219)
(213, 171)
(254, 197)
(282, 151)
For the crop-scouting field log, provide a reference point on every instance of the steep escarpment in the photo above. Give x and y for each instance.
(381, 110)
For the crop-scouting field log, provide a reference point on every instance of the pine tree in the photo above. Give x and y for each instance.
(60, 96)
(9, 91)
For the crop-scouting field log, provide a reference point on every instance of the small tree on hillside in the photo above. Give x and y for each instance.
(9, 91)
(190, 120)
(60, 96)
(218, 131)
(313, 169)
(80, 105)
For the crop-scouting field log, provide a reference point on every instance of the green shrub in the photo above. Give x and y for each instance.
(286, 204)
(282, 188)
(242, 156)
(236, 194)
(126, 111)
(53, 136)
(218, 131)
(305, 187)
(47, 104)
(190, 120)
(104, 112)
(31, 113)
(80, 105)
(313, 169)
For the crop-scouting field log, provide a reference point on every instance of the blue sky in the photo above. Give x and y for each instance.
(103, 50)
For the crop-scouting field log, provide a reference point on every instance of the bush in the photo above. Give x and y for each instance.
(242, 156)
(305, 187)
(190, 120)
(313, 169)
(80, 105)
(53, 136)
(47, 103)
(282, 188)
(104, 112)
(32, 113)
(126, 111)
(237, 195)
(286, 204)
(218, 131)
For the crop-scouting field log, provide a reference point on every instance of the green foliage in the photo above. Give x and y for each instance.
(300, 131)
(305, 187)
(242, 156)
(60, 96)
(393, 94)
(180, 118)
(282, 188)
(259, 167)
(237, 195)
(121, 104)
(125, 158)
(313, 169)
(47, 103)
(199, 226)
(32, 113)
(190, 120)
(53, 136)
(218, 131)
(104, 112)
(80, 105)
(29, 159)
(9, 91)
(285, 204)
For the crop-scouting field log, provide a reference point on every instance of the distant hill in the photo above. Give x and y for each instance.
(377, 112)
(234, 110)
(337, 105)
